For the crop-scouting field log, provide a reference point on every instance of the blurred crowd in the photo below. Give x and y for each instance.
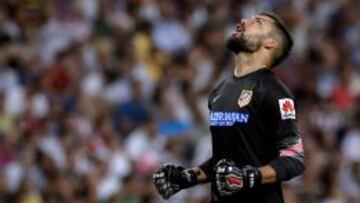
(96, 94)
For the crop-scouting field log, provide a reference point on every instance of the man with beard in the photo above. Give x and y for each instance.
(256, 142)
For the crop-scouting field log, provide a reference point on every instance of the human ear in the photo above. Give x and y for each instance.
(270, 43)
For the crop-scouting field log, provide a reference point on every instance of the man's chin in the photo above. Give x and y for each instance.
(232, 49)
(237, 45)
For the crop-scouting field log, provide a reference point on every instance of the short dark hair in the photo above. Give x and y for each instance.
(285, 35)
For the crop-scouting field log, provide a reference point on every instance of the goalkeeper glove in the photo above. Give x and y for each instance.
(170, 179)
(231, 179)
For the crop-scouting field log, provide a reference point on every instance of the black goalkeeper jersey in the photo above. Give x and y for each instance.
(253, 122)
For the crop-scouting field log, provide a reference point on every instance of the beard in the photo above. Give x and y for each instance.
(243, 44)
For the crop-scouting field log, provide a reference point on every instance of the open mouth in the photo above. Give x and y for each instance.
(238, 31)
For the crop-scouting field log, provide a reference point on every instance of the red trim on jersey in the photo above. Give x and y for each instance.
(296, 149)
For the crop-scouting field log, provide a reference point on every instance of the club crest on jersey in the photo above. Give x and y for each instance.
(287, 108)
(245, 98)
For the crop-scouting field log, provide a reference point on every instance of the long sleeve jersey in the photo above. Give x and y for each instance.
(253, 122)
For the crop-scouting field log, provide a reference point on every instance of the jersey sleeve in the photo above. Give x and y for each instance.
(280, 107)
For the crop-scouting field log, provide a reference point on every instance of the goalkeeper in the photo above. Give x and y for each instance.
(255, 139)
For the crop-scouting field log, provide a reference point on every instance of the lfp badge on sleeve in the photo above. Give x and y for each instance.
(245, 98)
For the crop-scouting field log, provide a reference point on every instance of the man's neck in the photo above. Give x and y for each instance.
(246, 63)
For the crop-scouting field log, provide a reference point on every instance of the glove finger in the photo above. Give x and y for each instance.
(158, 174)
(224, 189)
(161, 185)
(221, 170)
(219, 183)
(225, 193)
(164, 187)
(159, 178)
(225, 162)
(167, 194)
(160, 188)
(167, 168)
(160, 181)
(168, 164)
(166, 191)
(221, 162)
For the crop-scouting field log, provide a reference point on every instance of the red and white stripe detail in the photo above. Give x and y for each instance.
(296, 149)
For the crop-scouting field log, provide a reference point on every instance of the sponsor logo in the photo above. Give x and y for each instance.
(245, 98)
(287, 108)
(220, 118)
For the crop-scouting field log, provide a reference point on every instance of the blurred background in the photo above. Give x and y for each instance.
(97, 94)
